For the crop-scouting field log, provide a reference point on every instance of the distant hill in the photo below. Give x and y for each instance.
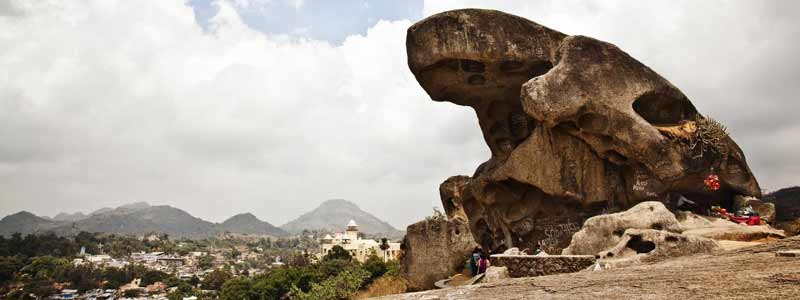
(136, 218)
(787, 203)
(249, 224)
(333, 215)
(141, 218)
(70, 217)
(25, 223)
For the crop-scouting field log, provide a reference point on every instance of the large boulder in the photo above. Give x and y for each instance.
(787, 206)
(602, 232)
(576, 127)
(439, 246)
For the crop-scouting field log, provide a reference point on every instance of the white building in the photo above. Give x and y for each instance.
(359, 248)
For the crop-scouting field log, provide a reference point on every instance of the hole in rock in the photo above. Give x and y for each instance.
(660, 109)
(510, 65)
(671, 239)
(540, 69)
(449, 206)
(476, 79)
(619, 232)
(657, 226)
(568, 127)
(640, 246)
(609, 254)
(472, 66)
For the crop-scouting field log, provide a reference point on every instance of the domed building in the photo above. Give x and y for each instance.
(359, 248)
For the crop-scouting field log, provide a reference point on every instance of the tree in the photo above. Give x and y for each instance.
(205, 262)
(384, 247)
(153, 276)
(194, 281)
(239, 288)
(47, 268)
(8, 266)
(342, 286)
(375, 266)
(337, 252)
(216, 279)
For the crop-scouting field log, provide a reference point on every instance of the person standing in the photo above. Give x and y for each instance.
(474, 258)
(483, 264)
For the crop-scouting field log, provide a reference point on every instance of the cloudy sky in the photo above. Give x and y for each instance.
(273, 106)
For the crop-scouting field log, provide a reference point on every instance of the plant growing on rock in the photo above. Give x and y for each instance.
(710, 137)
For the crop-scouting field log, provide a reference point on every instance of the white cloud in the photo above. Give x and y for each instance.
(107, 102)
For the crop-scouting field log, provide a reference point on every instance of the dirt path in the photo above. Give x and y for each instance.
(748, 273)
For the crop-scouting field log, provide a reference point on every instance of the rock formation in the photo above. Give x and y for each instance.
(648, 245)
(576, 127)
(439, 246)
(719, 229)
(602, 232)
(787, 204)
(750, 273)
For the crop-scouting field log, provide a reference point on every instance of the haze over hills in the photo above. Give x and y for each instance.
(24, 222)
(141, 218)
(135, 218)
(333, 215)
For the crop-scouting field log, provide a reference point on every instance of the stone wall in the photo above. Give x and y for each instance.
(529, 265)
(435, 249)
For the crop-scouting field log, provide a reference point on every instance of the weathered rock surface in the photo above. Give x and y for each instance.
(435, 249)
(451, 193)
(576, 127)
(438, 247)
(747, 274)
(719, 229)
(599, 233)
(530, 265)
(647, 245)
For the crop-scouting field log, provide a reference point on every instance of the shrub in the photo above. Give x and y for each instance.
(342, 286)
(709, 138)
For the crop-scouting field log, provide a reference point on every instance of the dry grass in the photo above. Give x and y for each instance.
(386, 285)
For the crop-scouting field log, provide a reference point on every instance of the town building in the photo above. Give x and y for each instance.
(359, 248)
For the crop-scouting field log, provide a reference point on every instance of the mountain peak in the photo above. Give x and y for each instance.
(339, 203)
(23, 214)
(334, 215)
(242, 217)
(136, 205)
(249, 223)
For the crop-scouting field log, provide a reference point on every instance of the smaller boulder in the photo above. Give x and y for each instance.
(720, 229)
(647, 245)
(602, 232)
(495, 274)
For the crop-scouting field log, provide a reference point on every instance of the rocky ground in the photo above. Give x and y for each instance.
(746, 273)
